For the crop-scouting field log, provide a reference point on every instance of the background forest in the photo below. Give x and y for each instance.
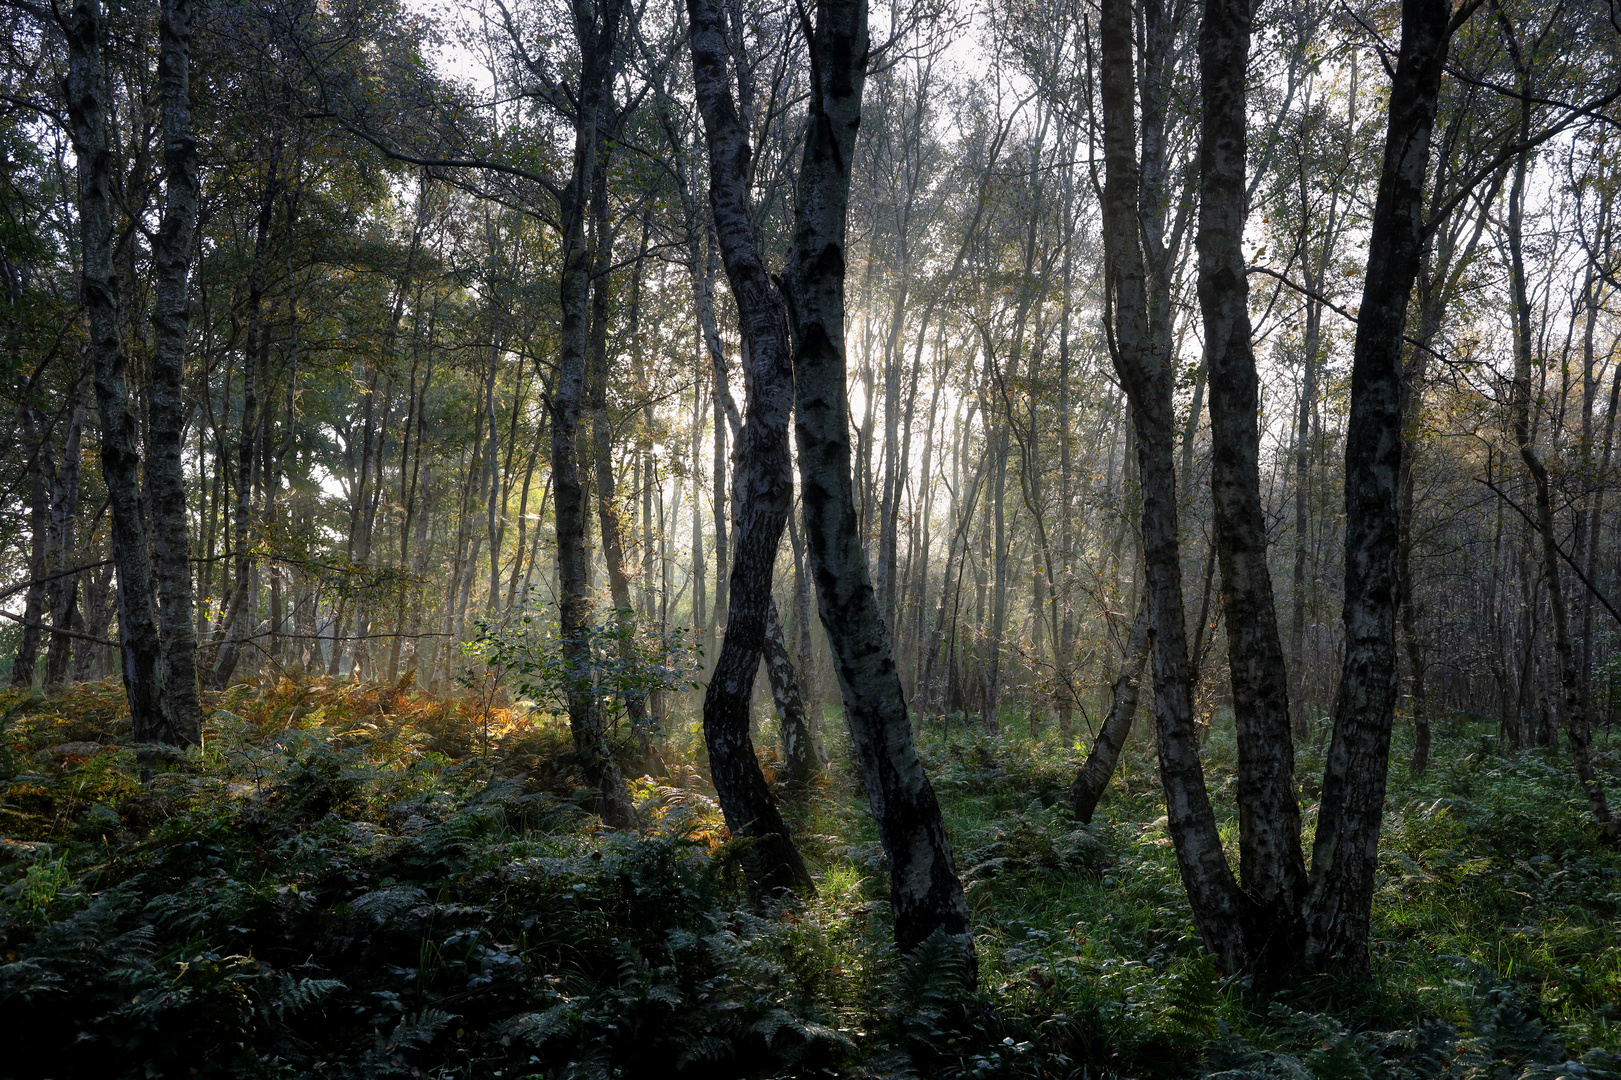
(629, 538)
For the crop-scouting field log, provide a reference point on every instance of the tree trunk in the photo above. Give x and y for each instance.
(1573, 703)
(165, 476)
(596, 29)
(62, 593)
(1345, 851)
(804, 603)
(924, 889)
(120, 456)
(801, 759)
(1272, 869)
(609, 521)
(239, 615)
(1146, 370)
(1094, 776)
(35, 437)
(763, 480)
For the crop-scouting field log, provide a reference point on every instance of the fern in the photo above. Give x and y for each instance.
(295, 995)
(535, 1028)
(1193, 1000)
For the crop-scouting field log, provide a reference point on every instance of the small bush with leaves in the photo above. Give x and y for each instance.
(624, 658)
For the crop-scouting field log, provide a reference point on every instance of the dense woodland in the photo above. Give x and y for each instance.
(748, 538)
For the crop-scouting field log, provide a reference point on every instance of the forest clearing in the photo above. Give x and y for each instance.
(847, 538)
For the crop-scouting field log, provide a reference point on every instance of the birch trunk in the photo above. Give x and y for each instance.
(1272, 869)
(1093, 778)
(924, 889)
(763, 480)
(165, 475)
(1144, 365)
(41, 470)
(139, 647)
(1345, 850)
(1573, 704)
(62, 594)
(596, 29)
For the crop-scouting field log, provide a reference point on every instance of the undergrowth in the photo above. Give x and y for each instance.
(358, 881)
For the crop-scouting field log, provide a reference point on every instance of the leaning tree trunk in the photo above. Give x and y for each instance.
(1339, 903)
(924, 889)
(1094, 776)
(597, 33)
(120, 454)
(762, 475)
(1272, 869)
(802, 760)
(165, 477)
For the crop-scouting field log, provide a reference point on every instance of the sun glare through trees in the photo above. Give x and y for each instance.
(810, 538)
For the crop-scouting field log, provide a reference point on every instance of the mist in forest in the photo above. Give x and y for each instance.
(748, 538)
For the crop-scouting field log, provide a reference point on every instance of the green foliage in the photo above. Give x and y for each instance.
(328, 899)
(346, 881)
(620, 659)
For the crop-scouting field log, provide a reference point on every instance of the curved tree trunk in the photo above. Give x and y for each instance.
(924, 889)
(762, 476)
(1142, 360)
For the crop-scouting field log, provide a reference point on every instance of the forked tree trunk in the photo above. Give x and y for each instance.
(924, 889)
(1146, 370)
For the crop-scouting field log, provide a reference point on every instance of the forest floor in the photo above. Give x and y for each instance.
(352, 880)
